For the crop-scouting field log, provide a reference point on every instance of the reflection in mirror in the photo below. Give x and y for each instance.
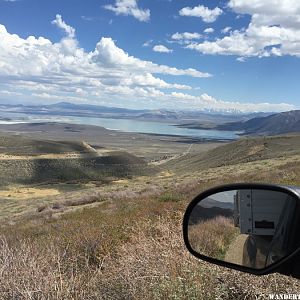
(248, 227)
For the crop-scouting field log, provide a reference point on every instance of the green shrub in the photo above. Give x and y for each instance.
(169, 197)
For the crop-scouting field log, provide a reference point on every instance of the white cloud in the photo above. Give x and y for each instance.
(148, 80)
(266, 7)
(208, 102)
(40, 70)
(87, 18)
(186, 36)
(10, 93)
(162, 49)
(109, 55)
(129, 8)
(285, 13)
(274, 30)
(69, 30)
(208, 30)
(148, 43)
(226, 29)
(206, 14)
(241, 59)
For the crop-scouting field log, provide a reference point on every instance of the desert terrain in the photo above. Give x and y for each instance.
(88, 213)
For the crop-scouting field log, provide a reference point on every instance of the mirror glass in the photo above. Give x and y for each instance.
(248, 227)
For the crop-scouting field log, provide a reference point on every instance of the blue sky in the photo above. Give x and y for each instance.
(216, 55)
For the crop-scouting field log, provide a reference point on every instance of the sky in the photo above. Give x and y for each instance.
(229, 55)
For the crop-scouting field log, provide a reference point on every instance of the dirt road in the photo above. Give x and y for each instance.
(235, 252)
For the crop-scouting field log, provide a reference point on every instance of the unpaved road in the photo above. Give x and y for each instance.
(236, 249)
(160, 162)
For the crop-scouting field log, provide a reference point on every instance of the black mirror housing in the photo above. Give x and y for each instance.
(252, 219)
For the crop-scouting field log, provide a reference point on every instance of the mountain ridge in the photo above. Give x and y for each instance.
(88, 110)
(281, 123)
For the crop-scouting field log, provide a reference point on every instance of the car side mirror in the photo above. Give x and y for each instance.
(248, 227)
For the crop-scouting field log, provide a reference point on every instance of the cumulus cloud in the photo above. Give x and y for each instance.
(42, 70)
(69, 30)
(129, 8)
(226, 29)
(274, 30)
(208, 30)
(269, 8)
(148, 80)
(203, 12)
(186, 36)
(109, 55)
(162, 49)
(63, 70)
(208, 102)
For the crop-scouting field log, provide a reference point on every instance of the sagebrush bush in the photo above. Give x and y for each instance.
(120, 256)
(212, 237)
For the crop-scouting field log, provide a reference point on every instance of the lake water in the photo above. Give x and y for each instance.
(123, 125)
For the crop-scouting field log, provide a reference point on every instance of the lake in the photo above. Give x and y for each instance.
(125, 125)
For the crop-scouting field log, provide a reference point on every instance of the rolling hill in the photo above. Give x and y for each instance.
(19, 145)
(244, 150)
(29, 161)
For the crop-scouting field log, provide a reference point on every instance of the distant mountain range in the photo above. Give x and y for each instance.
(209, 202)
(286, 122)
(247, 124)
(207, 118)
(202, 213)
(270, 124)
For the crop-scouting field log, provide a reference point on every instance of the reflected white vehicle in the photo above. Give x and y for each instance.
(249, 227)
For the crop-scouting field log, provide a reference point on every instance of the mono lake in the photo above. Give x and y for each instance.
(125, 125)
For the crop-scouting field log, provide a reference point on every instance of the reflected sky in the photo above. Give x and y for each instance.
(224, 196)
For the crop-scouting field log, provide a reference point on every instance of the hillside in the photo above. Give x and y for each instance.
(286, 122)
(244, 150)
(200, 214)
(29, 161)
(19, 145)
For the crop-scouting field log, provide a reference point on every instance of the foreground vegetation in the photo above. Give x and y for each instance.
(213, 237)
(124, 241)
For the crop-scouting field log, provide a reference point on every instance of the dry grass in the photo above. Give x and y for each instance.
(212, 237)
(131, 246)
(145, 259)
(22, 192)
